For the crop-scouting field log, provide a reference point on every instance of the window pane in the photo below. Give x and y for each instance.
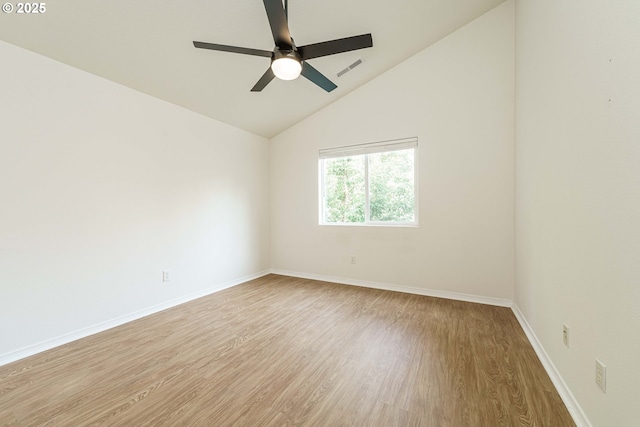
(344, 189)
(391, 186)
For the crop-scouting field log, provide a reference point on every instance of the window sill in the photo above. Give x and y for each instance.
(369, 224)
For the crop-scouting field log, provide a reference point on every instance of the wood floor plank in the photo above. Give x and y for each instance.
(295, 352)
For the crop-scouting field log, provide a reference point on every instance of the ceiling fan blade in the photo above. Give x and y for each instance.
(278, 23)
(264, 80)
(232, 49)
(332, 47)
(317, 77)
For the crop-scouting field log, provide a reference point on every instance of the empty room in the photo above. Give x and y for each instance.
(337, 213)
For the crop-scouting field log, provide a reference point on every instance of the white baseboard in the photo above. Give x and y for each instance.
(398, 288)
(103, 326)
(579, 417)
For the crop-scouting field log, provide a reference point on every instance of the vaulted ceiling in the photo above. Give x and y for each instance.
(147, 45)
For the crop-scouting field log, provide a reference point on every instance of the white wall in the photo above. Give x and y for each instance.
(578, 193)
(457, 98)
(101, 188)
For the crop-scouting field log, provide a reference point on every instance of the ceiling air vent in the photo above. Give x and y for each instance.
(349, 68)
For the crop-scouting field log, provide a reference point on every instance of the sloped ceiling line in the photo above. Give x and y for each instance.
(147, 45)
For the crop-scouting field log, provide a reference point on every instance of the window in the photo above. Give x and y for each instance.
(373, 184)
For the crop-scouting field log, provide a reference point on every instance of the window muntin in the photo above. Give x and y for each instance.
(370, 184)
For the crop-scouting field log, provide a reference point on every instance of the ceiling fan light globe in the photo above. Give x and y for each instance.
(286, 68)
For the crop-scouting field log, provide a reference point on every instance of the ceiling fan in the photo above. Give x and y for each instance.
(288, 61)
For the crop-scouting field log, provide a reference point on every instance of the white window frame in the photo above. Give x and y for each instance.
(365, 149)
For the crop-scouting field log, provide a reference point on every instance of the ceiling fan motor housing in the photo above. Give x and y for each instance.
(285, 53)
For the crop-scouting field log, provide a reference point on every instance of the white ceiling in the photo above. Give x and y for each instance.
(147, 45)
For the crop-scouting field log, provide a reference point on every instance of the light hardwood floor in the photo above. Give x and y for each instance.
(285, 351)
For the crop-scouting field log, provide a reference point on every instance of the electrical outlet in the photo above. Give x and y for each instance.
(601, 376)
(565, 334)
(166, 275)
(353, 260)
